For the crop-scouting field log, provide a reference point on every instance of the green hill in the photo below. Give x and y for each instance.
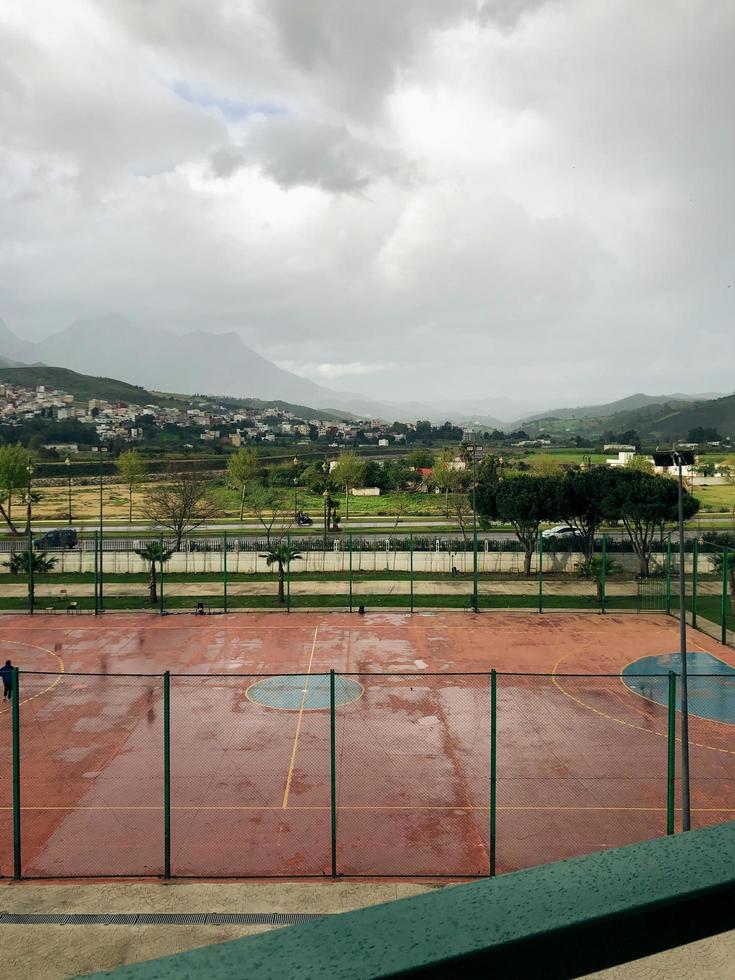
(82, 386)
(85, 386)
(666, 421)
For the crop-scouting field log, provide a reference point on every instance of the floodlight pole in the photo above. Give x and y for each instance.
(100, 589)
(29, 517)
(474, 528)
(686, 812)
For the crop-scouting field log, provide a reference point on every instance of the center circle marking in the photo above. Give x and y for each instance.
(307, 692)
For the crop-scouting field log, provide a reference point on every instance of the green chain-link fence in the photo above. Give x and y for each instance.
(465, 774)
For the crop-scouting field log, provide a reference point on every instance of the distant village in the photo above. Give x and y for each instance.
(203, 420)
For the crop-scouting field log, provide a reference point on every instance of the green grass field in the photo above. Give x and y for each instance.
(183, 603)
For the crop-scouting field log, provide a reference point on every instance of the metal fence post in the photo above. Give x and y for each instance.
(603, 574)
(725, 570)
(96, 585)
(288, 571)
(410, 564)
(350, 540)
(668, 574)
(15, 707)
(167, 775)
(671, 762)
(160, 591)
(224, 571)
(695, 581)
(333, 769)
(540, 572)
(493, 765)
(31, 582)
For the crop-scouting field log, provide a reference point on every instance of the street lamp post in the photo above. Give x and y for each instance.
(679, 459)
(325, 495)
(327, 498)
(685, 795)
(295, 491)
(475, 602)
(31, 584)
(67, 463)
(100, 599)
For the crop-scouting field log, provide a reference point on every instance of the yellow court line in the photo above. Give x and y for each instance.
(46, 690)
(370, 809)
(287, 788)
(621, 721)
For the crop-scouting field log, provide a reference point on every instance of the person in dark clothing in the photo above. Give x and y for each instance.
(7, 675)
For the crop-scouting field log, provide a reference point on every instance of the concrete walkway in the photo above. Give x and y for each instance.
(299, 586)
(41, 952)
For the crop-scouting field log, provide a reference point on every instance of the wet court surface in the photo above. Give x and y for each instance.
(581, 757)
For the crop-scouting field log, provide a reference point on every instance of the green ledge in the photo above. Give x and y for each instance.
(557, 920)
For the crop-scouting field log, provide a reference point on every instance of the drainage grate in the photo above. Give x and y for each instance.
(157, 919)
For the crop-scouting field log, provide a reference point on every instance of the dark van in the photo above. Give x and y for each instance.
(62, 538)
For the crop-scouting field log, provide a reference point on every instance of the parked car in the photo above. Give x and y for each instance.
(60, 538)
(562, 532)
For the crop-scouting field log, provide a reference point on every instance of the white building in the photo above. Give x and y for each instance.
(623, 459)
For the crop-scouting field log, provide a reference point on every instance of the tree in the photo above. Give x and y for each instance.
(704, 434)
(41, 563)
(14, 463)
(420, 459)
(581, 502)
(639, 463)
(591, 568)
(181, 504)
(523, 501)
(348, 472)
(282, 555)
(544, 464)
(444, 475)
(155, 554)
(132, 469)
(718, 560)
(242, 468)
(642, 501)
(270, 508)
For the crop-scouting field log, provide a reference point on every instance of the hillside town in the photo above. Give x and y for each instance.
(199, 419)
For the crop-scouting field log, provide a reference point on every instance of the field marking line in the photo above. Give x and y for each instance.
(294, 750)
(621, 721)
(35, 646)
(323, 808)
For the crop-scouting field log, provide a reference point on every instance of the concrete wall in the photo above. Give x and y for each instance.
(437, 562)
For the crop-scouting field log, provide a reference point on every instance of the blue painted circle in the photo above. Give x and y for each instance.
(307, 692)
(711, 683)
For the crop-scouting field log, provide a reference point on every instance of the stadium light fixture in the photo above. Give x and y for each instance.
(680, 458)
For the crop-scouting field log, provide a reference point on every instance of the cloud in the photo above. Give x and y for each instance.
(302, 152)
(471, 197)
(330, 372)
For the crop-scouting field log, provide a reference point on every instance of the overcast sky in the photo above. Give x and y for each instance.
(407, 198)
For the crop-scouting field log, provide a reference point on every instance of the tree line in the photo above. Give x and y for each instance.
(583, 499)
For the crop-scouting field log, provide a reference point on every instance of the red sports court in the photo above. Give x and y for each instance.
(261, 786)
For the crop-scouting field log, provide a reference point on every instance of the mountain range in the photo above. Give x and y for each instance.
(220, 364)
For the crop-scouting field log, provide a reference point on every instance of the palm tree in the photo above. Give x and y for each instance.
(40, 565)
(596, 568)
(282, 555)
(154, 553)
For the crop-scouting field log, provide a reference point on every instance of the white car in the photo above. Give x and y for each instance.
(562, 532)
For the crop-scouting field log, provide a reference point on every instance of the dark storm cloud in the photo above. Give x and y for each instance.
(430, 195)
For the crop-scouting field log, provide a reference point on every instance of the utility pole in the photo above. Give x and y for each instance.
(474, 528)
(686, 813)
(67, 463)
(29, 505)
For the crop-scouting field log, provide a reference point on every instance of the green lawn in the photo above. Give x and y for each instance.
(717, 499)
(529, 601)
